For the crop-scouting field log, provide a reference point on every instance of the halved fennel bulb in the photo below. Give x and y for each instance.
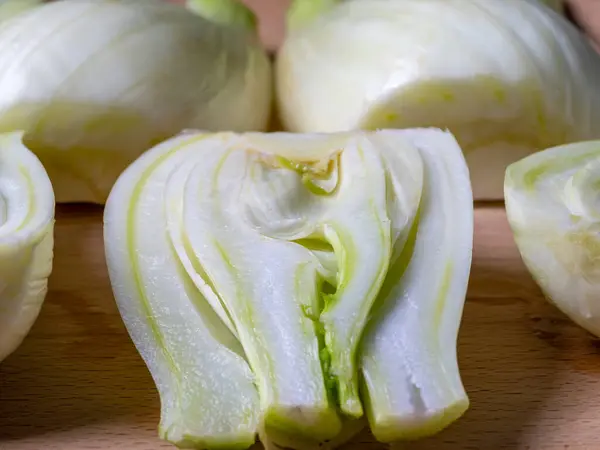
(553, 207)
(94, 83)
(246, 267)
(506, 77)
(26, 240)
(12, 8)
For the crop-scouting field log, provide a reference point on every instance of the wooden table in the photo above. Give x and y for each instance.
(77, 382)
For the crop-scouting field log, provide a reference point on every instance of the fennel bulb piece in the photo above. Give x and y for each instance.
(418, 391)
(94, 83)
(558, 5)
(517, 79)
(253, 261)
(26, 239)
(552, 206)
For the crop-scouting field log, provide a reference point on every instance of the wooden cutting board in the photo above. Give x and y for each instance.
(77, 382)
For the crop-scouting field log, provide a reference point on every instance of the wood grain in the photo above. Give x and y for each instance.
(77, 382)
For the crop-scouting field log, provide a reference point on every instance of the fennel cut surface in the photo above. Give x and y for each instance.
(263, 276)
(26, 239)
(94, 83)
(553, 209)
(507, 78)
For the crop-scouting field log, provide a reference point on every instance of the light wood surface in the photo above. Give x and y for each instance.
(77, 382)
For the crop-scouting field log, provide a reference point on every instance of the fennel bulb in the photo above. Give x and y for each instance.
(246, 267)
(517, 78)
(94, 83)
(26, 240)
(552, 206)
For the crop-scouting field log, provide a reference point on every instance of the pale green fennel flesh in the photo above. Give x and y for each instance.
(552, 206)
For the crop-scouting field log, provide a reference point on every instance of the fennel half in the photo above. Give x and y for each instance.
(418, 392)
(552, 206)
(26, 239)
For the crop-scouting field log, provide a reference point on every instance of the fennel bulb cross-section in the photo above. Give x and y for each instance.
(26, 239)
(553, 206)
(506, 77)
(418, 391)
(254, 261)
(94, 83)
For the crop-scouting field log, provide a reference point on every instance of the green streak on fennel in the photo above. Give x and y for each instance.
(225, 12)
(313, 187)
(347, 259)
(308, 173)
(215, 179)
(310, 312)
(314, 244)
(346, 255)
(399, 266)
(442, 295)
(31, 197)
(313, 312)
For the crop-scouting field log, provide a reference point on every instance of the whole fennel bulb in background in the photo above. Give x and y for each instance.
(26, 239)
(507, 77)
(94, 83)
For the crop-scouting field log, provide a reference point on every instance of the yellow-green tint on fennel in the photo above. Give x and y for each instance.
(552, 200)
(420, 307)
(208, 398)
